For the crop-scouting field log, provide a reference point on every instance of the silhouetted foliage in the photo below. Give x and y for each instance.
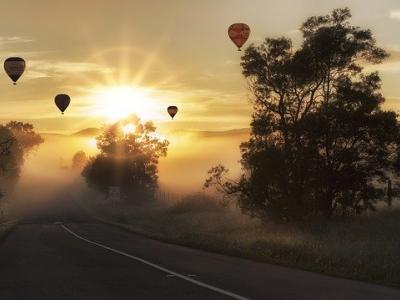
(17, 139)
(25, 134)
(320, 141)
(79, 160)
(126, 159)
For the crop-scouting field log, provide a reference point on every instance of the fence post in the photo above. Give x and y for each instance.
(389, 193)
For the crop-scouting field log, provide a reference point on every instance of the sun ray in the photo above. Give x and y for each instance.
(128, 86)
(117, 102)
(129, 128)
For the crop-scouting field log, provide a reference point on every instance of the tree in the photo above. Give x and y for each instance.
(11, 159)
(129, 153)
(17, 139)
(79, 160)
(320, 139)
(25, 135)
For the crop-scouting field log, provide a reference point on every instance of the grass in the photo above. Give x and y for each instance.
(8, 220)
(5, 229)
(364, 248)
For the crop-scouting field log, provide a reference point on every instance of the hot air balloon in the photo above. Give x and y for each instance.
(172, 110)
(239, 33)
(62, 101)
(14, 67)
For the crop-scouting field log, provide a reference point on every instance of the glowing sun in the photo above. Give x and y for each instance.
(129, 128)
(118, 102)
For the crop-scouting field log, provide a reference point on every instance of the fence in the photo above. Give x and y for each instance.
(163, 195)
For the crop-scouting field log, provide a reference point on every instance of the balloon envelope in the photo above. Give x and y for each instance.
(172, 110)
(239, 33)
(62, 101)
(14, 67)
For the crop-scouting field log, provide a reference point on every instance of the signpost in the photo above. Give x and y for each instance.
(114, 194)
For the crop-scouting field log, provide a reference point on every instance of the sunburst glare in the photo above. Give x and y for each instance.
(126, 87)
(129, 128)
(118, 102)
(92, 142)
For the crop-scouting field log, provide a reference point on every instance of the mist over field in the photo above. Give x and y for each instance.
(192, 154)
(47, 170)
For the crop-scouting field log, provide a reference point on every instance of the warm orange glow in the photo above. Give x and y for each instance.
(129, 128)
(92, 142)
(118, 102)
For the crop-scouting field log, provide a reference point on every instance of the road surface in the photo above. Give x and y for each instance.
(83, 259)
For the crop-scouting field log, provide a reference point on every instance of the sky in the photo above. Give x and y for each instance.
(124, 56)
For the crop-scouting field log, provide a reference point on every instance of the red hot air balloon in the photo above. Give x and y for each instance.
(14, 67)
(62, 101)
(172, 110)
(239, 33)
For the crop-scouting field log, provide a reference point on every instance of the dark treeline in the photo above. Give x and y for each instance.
(320, 142)
(17, 139)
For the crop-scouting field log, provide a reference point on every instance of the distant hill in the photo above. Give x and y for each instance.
(87, 132)
(242, 132)
(225, 133)
(90, 132)
(51, 134)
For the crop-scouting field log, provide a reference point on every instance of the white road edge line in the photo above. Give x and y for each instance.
(155, 266)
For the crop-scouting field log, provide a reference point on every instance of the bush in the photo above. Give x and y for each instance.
(198, 202)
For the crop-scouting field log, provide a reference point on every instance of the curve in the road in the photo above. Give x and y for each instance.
(158, 267)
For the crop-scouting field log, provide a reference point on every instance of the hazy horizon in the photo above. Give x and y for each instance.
(182, 171)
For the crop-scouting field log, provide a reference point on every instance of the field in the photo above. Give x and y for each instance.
(364, 248)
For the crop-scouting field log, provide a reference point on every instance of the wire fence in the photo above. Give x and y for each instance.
(168, 196)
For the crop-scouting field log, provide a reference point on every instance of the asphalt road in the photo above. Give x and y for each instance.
(42, 259)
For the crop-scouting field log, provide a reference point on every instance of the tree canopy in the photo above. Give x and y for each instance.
(320, 140)
(17, 139)
(129, 154)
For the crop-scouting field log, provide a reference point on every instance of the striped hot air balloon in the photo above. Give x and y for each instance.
(239, 33)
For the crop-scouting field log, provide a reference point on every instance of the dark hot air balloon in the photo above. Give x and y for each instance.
(62, 101)
(14, 67)
(172, 110)
(239, 33)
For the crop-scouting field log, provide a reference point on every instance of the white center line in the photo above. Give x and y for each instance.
(155, 266)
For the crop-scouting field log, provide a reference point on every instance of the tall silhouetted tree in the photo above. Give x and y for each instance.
(127, 159)
(320, 140)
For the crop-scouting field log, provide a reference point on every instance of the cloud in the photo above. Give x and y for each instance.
(69, 67)
(41, 68)
(5, 40)
(395, 14)
(389, 65)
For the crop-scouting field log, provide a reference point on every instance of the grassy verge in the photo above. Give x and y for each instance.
(6, 228)
(364, 248)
